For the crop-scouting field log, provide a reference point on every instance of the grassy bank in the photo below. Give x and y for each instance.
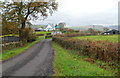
(66, 63)
(10, 53)
(111, 38)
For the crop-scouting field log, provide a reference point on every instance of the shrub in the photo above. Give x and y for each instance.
(31, 37)
(28, 35)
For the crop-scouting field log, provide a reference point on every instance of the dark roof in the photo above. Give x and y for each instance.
(111, 31)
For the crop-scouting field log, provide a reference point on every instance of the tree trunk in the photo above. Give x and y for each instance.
(21, 32)
(23, 25)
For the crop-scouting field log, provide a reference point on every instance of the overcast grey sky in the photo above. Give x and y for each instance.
(84, 12)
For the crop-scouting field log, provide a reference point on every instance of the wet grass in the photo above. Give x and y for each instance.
(67, 63)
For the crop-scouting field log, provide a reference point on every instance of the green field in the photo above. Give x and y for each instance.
(42, 32)
(15, 51)
(111, 38)
(67, 63)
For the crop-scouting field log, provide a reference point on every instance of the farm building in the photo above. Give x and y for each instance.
(57, 30)
(39, 29)
(48, 28)
(44, 28)
(111, 32)
(57, 27)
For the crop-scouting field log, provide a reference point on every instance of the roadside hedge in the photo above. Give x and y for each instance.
(100, 50)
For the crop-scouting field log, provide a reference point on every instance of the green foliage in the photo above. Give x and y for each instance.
(31, 37)
(22, 11)
(9, 28)
(28, 35)
(67, 64)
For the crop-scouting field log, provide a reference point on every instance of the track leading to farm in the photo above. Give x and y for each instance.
(35, 61)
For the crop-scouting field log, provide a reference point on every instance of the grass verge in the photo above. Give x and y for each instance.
(10, 53)
(67, 64)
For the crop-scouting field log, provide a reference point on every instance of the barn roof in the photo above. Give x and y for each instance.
(111, 31)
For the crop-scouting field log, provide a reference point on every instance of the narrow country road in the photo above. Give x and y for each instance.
(35, 61)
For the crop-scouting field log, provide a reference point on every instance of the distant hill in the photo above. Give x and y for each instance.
(83, 28)
(38, 26)
(113, 27)
(96, 27)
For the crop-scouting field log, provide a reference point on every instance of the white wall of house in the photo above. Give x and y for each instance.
(49, 28)
(39, 29)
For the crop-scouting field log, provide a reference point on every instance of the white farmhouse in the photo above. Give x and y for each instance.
(48, 28)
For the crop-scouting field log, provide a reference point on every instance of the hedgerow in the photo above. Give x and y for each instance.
(100, 50)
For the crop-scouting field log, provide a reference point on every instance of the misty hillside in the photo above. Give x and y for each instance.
(96, 27)
(113, 27)
(82, 28)
(38, 26)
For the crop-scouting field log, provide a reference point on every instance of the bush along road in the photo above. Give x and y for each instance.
(35, 61)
